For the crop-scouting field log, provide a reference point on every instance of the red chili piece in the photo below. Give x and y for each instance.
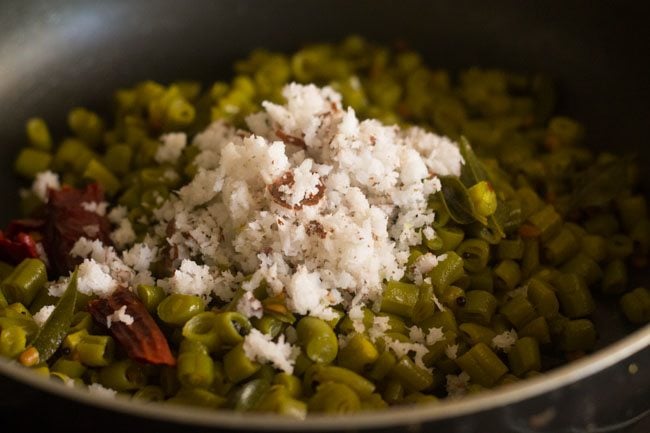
(66, 221)
(142, 340)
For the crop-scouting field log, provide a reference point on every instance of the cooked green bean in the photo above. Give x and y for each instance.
(194, 364)
(508, 274)
(317, 340)
(524, 356)
(334, 398)
(237, 365)
(176, 309)
(400, 298)
(574, 296)
(512, 249)
(538, 329)
(71, 368)
(231, 327)
(479, 307)
(519, 311)
(151, 296)
(30, 162)
(278, 400)
(13, 340)
(577, 335)
(123, 375)
(482, 365)
(447, 271)
(25, 281)
(331, 373)
(38, 134)
(474, 333)
(475, 254)
(636, 305)
(95, 350)
(543, 297)
(358, 353)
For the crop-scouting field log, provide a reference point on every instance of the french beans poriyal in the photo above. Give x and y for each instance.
(535, 229)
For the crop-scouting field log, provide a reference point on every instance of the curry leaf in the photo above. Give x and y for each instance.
(49, 337)
(474, 172)
(457, 201)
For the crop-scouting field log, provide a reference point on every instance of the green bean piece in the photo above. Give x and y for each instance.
(71, 368)
(602, 224)
(358, 353)
(426, 304)
(451, 297)
(38, 134)
(317, 340)
(518, 311)
(30, 162)
(151, 393)
(3, 300)
(393, 391)
(373, 402)
(277, 400)
(636, 305)
(574, 296)
(561, 247)
(438, 349)
(530, 260)
(118, 159)
(508, 379)
(81, 320)
(302, 364)
(451, 237)
(356, 382)
(475, 334)
(291, 384)
(547, 221)
(169, 381)
(508, 274)
(203, 328)
(475, 254)
(123, 375)
(594, 246)
(176, 309)
(249, 395)
(231, 327)
(479, 307)
(411, 375)
(524, 356)
(577, 335)
(151, 296)
(95, 350)
(619, 247)
(419, 398)
(537, 329)
(72, 155)
(87, 125)
(543, 297)
(482, 280)
(563, 132)
(334, 398)
(511, 249)
(583, 266)
(98, 172)
(632, 209)
(530, 201)
(13, 341)
(399, 298)
(382, 366)
(447, 271)
(237, 366)
(266, 372)
(268, 325)
(198, 397)
(25, 281)
(441, 319)
(482, 364)
(614, 277)
(194, 365)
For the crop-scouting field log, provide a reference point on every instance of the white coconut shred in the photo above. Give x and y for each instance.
(317, 204)
(311, 202)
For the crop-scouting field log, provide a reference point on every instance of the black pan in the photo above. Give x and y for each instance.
(55, 55)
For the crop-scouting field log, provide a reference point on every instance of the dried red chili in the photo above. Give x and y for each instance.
(142, 340)
(66, 221)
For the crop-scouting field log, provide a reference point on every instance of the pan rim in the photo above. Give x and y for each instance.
(562, 376)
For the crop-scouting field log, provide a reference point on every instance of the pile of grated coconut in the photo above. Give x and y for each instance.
(319, 205)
